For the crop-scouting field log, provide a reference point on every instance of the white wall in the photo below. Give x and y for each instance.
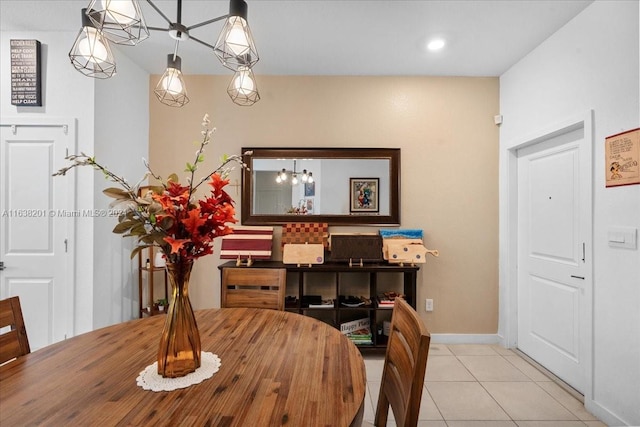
(66, 94)
(103, 271)
(590, 64)
(122, 140)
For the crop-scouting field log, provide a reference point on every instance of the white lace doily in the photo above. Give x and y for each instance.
(150, 380)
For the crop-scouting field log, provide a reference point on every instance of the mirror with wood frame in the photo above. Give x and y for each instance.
(339, 186)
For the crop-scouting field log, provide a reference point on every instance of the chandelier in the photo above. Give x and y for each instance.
(296, 177)
(121, 22)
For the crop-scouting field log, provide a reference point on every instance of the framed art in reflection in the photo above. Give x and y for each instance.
(364, 195)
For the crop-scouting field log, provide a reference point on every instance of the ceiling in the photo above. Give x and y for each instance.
(335, 37)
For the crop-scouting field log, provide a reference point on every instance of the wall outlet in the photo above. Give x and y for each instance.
(428, 304)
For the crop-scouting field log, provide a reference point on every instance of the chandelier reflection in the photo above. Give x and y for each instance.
(296, 176)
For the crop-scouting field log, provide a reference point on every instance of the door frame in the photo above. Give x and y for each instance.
(69, 126)
(508, 270)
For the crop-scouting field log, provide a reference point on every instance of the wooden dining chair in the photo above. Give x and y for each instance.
(405, 364)
(13, 343)
(254, 287)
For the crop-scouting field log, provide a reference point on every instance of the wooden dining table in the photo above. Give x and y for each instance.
(277, 368)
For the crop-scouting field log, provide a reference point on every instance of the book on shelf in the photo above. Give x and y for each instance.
(358, 331)
(385, 303)
(362, 341)
(387, 299)
(355, 325)
(361, 336)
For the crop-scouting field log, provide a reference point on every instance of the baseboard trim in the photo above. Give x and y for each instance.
(465, 338)
(604, 414)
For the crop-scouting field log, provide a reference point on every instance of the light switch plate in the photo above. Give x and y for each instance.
(622, 237)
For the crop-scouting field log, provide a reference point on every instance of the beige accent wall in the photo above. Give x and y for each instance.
(449, 184)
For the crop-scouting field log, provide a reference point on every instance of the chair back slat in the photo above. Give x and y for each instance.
(254, 287)
(404, 367)
(13, 343)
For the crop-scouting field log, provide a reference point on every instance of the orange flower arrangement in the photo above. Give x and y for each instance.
(167, 215)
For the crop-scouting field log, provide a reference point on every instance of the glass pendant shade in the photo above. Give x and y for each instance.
(91, 53)
(242, 89)
(235, 46)
(171, 89)
(121, 21)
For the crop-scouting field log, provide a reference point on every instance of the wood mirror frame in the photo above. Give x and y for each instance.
(392, 217)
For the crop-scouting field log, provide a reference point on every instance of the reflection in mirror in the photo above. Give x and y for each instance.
(338, 186)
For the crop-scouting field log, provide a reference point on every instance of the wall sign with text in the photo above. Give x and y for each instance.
(26, 76)
(622, 158)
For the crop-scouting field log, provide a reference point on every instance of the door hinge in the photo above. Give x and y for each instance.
(66, 245)
(583, 252)
(65, 129)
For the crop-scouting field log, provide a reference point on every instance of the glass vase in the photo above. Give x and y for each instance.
(179, 351)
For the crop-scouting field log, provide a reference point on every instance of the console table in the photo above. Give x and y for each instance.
(331, 280)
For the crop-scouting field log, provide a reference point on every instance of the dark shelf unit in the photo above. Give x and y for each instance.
(147, 307)
(337, 283)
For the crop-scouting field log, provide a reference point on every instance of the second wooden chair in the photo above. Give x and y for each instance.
(404, 367)
(14, 343)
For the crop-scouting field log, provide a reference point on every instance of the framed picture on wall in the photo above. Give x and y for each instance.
(364, 195)
(309, 189)
(622, 158)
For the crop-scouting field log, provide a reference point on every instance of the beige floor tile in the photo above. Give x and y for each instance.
(550, 424)
(447, 368)
(481, 424)
(439, 350)
(526, 368)
(369, 406)
(464, 401)
(428, 409)
(527, 401)
(567, 400)
(472, 350)
(374, 367)
(492, 368)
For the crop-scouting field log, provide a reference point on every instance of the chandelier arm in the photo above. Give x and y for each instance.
(158, 29)
(159, 12)
(201, 42)
(210, 21)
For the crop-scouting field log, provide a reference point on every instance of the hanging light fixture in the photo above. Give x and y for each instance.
(91, 53)
(281, 176)
(171, 89)
(296, 176)
(122, 22)
(242, 88)
(235, 47)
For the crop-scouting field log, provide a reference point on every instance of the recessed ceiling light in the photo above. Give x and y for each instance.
(435, 44)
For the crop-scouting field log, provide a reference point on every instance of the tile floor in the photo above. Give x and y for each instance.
(484, 386)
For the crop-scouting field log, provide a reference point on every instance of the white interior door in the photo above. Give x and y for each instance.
(554, 223)
(36, 225)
